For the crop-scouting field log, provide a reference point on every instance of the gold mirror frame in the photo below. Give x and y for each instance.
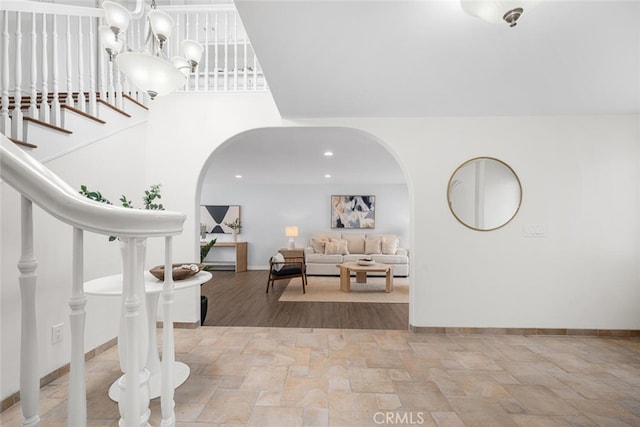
(451, 183)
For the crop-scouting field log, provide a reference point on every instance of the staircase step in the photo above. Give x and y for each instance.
(22, 143)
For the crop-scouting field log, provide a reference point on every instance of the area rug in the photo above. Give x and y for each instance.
(327, 289)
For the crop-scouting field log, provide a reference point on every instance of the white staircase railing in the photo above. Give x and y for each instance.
(39, 185)
(51, 57)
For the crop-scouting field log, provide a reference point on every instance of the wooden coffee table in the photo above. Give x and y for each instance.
(361, 274)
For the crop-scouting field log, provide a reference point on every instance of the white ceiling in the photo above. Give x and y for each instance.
(387, 58)
(296, 156)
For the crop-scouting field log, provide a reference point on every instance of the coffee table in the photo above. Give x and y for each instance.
(361, 274)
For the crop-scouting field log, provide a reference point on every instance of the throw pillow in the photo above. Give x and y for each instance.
(355, 243)
(389, 245)
(343, 246)
(372, 245)
(332, 248)
(318, 245)
(279, 258)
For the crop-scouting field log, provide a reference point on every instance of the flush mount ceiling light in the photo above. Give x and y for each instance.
(498, 11)
(149, 68)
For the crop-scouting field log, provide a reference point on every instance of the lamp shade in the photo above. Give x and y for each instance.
(498, 11)
(192, 50)
(150, 73)
(161, 24)
(117, 16)
(291, 231)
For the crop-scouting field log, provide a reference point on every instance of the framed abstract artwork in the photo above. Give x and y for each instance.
(215, 217)
(353, 211)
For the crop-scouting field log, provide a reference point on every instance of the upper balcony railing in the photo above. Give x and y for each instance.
(51, 56)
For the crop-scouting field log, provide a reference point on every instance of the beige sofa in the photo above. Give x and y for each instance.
(328, 249)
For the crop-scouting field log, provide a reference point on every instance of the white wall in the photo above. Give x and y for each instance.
(580, 181)
(266, 210)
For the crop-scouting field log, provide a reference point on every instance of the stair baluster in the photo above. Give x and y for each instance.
(5, 123)
(55, 101)
(16, 113)
(69, 100)
(82, 103)
(44, 66)
(77, 403)
(33, 106)
(29, 372)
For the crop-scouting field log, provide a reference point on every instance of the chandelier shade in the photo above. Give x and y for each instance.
(498, 11)
(161, 25)
(192, 52)
(151, 74)
(117, 16)
(112, 45)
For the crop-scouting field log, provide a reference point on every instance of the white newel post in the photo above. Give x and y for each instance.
(167, 403)
(29, 369)
(134, 392)
(77, 403)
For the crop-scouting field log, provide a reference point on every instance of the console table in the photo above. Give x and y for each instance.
(241, 254)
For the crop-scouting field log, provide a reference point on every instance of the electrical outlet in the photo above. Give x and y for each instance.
(56, 333)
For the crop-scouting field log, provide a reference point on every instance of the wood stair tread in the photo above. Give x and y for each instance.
(82, 113)
(48, 125)
(26, 144)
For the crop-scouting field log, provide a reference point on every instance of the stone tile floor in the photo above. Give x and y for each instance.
(326, 377)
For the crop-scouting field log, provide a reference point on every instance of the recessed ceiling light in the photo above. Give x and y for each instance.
(327, 175)
(238, 176)
(328, 153)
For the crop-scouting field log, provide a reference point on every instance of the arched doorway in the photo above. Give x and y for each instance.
(286, 176)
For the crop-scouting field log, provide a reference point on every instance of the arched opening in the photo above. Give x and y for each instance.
(282, 177)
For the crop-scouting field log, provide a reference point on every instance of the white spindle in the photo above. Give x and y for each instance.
(69, 100)
(111, 90)
(5, 121)
(215, 44)
(133, 401)
(119, 101)
(245, 64)
(226, 51)
(55, 100)
(16, 113)
(92, 107)
(82, 101)
(77, 402)
(206, 52)
(44, 96)
(104, 64)
(235, 51)
(196, 38)
(255, 71)
(29, 370)
(33, 107)
(168, 351)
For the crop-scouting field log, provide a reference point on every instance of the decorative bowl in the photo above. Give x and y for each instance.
(365, 261)
(180, 271)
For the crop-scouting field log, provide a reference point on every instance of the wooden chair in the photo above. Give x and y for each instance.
(293, 266)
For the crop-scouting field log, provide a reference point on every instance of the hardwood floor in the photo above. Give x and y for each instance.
(239, 299)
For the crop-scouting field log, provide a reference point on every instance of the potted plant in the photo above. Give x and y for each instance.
(235, 226)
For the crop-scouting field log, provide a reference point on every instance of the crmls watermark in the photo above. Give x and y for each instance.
(395, 418)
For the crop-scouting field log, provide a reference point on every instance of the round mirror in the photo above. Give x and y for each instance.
(484, 193)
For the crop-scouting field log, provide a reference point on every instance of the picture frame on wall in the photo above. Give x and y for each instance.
(215, 218)
(353, 211)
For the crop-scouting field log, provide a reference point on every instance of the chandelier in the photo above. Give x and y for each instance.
(498, 11)
(149, 68)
